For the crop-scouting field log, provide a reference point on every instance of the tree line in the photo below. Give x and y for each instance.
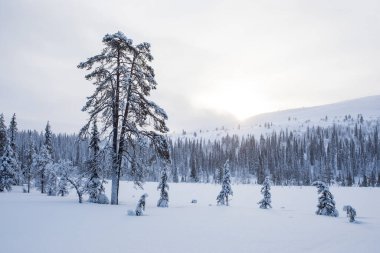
(343, 154)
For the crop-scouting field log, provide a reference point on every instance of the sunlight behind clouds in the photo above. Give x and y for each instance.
(242, 100)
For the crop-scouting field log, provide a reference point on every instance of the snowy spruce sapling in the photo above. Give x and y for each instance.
(351, 212)
(326, 205)
(140, 208)
(8, 165)
(94, 186)
(265, 202)
(222, 198)
(163, 187)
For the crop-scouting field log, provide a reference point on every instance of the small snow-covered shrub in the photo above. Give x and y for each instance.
(326, 205)
(163, 187)
(140, 208)
(94, 189)
(102, 199)
(194, 201)
(222, 198)
(265, 202)
(163, 203)
(351, 212)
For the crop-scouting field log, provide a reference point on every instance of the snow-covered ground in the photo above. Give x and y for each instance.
(36, 223)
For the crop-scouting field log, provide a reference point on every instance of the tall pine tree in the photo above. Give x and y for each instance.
(13, 132)
(30, 153)
(124, 79)
(48, 139)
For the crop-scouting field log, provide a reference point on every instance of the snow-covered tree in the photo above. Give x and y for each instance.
(140, 208)
(13, 132)
(3, 135)
(40, 163)
(265, 202)
(351, 212)
(48, 139)
(51, 180)
(8, 168)
(163, 187)
(94, 186)
(30, 153)
(70, 173)
(222, 198)
(124, 79)
(326, 205)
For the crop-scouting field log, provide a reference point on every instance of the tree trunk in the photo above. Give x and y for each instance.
(29, 182)
(80, 197)
(122, 134)
(42, 182)
(115, 185)
(115, 126)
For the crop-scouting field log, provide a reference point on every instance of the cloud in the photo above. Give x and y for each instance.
(214, 60)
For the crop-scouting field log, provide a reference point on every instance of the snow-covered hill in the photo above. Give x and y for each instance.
(343, 113)
(369, 107)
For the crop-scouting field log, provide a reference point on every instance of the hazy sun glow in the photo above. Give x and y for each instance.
(242, 103)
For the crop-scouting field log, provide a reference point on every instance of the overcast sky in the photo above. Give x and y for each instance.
(216, 62)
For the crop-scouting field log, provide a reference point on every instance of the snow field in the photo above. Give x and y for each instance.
(39, 223)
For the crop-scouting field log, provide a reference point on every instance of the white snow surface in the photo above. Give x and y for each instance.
(37, 223)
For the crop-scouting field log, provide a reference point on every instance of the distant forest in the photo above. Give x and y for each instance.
(345, 154)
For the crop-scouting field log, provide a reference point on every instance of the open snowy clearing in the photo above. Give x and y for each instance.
(39, 223)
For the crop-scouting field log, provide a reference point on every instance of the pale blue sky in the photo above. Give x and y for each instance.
(215, 60)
